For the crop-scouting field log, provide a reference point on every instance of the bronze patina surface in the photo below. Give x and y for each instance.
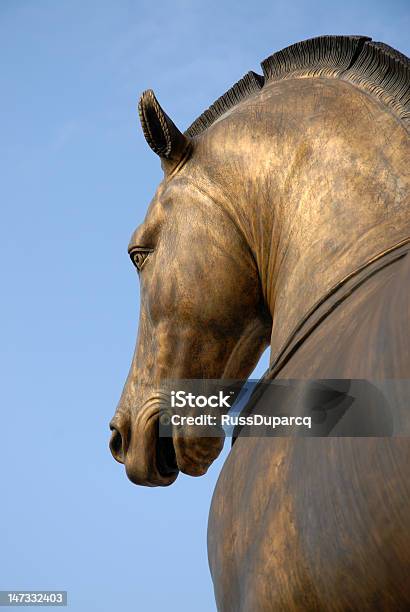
(290, 185)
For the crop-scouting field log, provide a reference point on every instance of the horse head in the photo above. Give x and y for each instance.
(202, 313)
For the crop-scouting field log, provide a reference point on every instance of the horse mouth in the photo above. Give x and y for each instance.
(194, 455)
(166, 458)
(153, 460)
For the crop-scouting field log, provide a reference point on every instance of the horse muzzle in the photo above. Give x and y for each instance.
(149, 459)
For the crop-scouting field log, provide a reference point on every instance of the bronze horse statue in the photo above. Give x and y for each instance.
(283, 219)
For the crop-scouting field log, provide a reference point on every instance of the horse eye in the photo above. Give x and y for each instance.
(138, 258)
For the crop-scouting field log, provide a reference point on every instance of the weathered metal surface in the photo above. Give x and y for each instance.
(286, 186)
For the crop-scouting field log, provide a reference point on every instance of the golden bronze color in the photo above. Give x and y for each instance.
(283, 219)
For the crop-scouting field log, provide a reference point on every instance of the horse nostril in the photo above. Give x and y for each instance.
(117, 445)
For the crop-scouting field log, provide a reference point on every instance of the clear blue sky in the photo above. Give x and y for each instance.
(76, 179)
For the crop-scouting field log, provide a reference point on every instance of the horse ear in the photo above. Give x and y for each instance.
(161, 133)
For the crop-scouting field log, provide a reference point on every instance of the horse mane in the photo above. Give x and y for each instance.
(372, 66)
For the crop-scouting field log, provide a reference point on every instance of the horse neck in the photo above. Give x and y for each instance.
(316, 203)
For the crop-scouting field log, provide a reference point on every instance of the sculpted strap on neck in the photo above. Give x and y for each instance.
(331, 300)
(318, 313)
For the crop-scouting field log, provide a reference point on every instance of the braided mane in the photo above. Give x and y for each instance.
(372, 66)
